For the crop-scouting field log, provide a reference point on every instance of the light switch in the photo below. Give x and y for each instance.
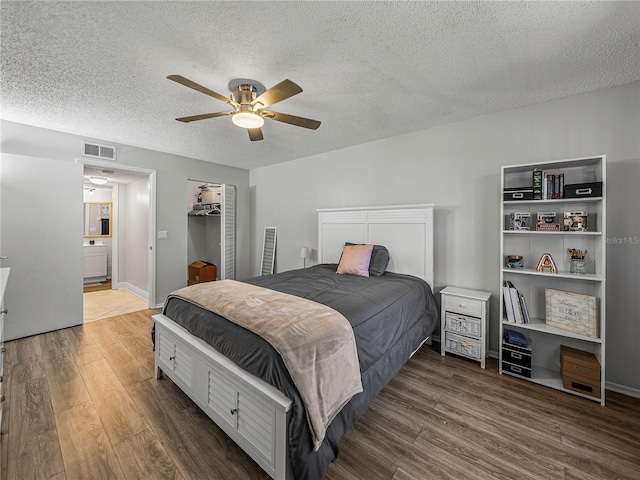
(162, 235)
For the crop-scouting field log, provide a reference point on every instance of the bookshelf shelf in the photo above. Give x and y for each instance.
(548, 378)
(572, 276)
(539, 325)
(546, 340)
(537, 232)
(553, 201)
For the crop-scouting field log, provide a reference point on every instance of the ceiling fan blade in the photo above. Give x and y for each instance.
(277, 93)
(188, 83)
(293, 120)
(255, 134)
(202, 116)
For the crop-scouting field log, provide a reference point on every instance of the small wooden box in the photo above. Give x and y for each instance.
(580, 371)
(200, 272)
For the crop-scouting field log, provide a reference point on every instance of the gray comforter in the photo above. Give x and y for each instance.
(391, 316)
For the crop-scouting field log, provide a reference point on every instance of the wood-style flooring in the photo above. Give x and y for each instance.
(106, 303)
(82, 403)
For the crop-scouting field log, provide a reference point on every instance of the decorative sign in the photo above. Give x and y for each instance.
(572, 311)
(546, 261)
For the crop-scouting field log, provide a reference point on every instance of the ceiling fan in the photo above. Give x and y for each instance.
(249, 104)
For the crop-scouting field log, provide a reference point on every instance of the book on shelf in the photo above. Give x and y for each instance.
(537, 184)
(523, 308)
(514, 304)
(551, 185)
(508, 306)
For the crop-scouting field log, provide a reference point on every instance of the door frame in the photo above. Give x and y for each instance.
(151, 224)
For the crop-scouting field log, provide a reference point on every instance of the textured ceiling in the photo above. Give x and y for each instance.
(369, 70)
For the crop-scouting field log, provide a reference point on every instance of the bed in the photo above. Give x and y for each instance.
(241, 382)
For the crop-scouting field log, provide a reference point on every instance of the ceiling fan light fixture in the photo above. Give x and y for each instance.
(247, 120)
(98, 180)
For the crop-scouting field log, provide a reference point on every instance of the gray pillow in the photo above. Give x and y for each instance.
(379, 259)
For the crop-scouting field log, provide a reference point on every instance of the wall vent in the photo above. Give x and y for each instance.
(102, 152)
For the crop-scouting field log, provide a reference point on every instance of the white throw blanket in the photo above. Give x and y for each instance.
(315, 342)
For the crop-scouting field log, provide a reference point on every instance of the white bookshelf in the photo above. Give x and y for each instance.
(531, 244)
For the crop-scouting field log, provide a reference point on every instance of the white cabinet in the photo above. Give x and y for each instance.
(95, 261)
(531, 244)
(253, 413)
(464, 317)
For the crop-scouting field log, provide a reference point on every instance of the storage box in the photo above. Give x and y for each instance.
(518, 193)
(516, 369)
(212, 195)
(579, 363)
(200, 272)
(579, 190)
(516, 355)
(581, 371)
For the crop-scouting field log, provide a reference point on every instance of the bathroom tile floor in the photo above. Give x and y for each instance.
(110, 303)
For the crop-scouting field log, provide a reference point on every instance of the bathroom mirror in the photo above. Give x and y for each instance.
(97, 219)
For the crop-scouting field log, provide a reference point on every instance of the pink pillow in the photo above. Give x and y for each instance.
(355, 260)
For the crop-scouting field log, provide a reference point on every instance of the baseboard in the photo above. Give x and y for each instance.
(138, 292)
(614, 387)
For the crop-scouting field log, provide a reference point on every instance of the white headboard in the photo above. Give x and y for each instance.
(406, 231)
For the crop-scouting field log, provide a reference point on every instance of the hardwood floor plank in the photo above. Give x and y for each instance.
(66, 384)
(337, 471)
(33, 451)
(142, 456)
(494, 451)
(117, 411)
(85, 447)
(134, 332)
(83, 348)
(25, 358)
(162, 403)
(127, 368)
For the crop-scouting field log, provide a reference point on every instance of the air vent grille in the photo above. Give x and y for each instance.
(102, 152)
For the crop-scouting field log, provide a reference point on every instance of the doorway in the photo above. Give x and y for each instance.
(128, 283)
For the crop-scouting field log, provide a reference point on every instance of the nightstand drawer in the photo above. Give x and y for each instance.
(461, 345)
(463, 324)
(463, 305)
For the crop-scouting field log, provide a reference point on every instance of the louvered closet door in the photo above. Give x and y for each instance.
(228, 232)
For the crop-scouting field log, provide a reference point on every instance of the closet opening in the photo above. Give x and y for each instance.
(211, 228)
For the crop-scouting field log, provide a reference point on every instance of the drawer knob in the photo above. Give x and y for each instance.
(4, 311)
(172, 358)
(233, 411)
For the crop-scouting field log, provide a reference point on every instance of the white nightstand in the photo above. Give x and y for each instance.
(465, 321)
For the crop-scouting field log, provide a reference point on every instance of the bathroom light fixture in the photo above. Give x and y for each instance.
(98, 180)
(247, 120)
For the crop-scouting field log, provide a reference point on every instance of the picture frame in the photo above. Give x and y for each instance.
(573, 312)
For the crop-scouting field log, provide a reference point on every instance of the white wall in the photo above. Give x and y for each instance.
(133, 251)
(457, 167)
(171, 187)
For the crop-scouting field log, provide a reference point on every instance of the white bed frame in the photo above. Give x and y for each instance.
(253, 413)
